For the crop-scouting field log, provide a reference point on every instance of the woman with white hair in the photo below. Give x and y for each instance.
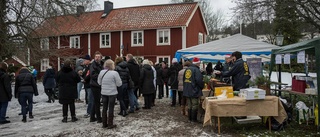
(146, 83)
(109, 81)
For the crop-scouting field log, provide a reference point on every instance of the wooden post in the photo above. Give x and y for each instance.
(219, 125)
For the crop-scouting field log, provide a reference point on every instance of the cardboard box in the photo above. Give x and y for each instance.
(260, 96)
(253, 91)
(219, 90)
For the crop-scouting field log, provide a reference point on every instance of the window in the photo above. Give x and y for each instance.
(105, 40)
(75, 42)
(163, 37)
(137, 38)
(44, 65)
(164, 58)
(200, 38)
(44, 43)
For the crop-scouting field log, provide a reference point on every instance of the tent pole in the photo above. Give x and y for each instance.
(317, 56)
(279, 80)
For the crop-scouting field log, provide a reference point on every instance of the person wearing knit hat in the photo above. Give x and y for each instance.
(173, 79)
(192, 88)
(196, 60)
(174, 60)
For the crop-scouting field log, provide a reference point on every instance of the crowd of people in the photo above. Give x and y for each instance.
(123, 79)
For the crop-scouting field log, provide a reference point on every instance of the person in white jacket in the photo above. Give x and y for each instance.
(109, 81)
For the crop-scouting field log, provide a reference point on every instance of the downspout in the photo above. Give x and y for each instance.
(89, 44)
(121, 44)
(58, 49)
(184, 37)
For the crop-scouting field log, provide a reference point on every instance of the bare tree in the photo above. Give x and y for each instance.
(213, 19)
(19, 18)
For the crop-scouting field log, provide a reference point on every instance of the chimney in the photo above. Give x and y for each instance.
(80, 10)
(108, 6)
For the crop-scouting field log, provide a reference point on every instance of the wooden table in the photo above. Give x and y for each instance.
(270, 106)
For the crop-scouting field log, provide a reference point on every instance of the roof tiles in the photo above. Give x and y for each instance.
(133, 18)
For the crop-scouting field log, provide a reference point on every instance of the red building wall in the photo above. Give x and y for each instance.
(195, 26)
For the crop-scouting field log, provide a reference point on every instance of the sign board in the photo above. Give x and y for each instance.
(286, 59)
(278, 59)
(301, 57)
(255, 67)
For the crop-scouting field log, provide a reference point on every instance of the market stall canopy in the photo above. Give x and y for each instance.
(238, 42)
(308, 46)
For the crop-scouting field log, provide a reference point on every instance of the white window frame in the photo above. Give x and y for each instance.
(200, 38)
(158, 37)
(105, 45)
(44, 64)
(132, 39)
(72, 45)
(44, 43)
(169, 60)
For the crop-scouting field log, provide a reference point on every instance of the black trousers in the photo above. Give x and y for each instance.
(167, 90)
(182, 99)
(135, 91)
(160, 94)
(96, 92)
(72, 109)
(108, 104)
(49, 92)
(147, 100)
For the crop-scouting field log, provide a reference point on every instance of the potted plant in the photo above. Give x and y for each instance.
(206, 80)
(263, 82)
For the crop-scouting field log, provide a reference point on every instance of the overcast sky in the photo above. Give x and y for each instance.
(224, 5)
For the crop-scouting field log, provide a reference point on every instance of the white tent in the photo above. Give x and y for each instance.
(216, 50)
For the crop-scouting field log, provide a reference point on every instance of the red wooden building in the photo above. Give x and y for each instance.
(151, 32)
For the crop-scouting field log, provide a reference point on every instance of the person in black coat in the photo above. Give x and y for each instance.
(134, 70)
(95, 68)
(68, 79)
(173, 79)
(165, 77)
(146, 84)
(122, 69)
(25, 87)
(159, 80)
(5, 92)
(49, 83)
(209, 69)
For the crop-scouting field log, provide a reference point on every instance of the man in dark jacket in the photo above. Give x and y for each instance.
(95, 68)
(86, 81)
(165, 78)
(25, 87)
(134, 71)
(159, 80)
(173, 79)
(240, 72)
(5, 92)
(192, 88)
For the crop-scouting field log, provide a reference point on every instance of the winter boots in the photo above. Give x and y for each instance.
(74, 119)
(183, 110)
(104, 121)
(110, 122)
(65, 119)
(24, 119)
(193, 115)
(30, 115)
